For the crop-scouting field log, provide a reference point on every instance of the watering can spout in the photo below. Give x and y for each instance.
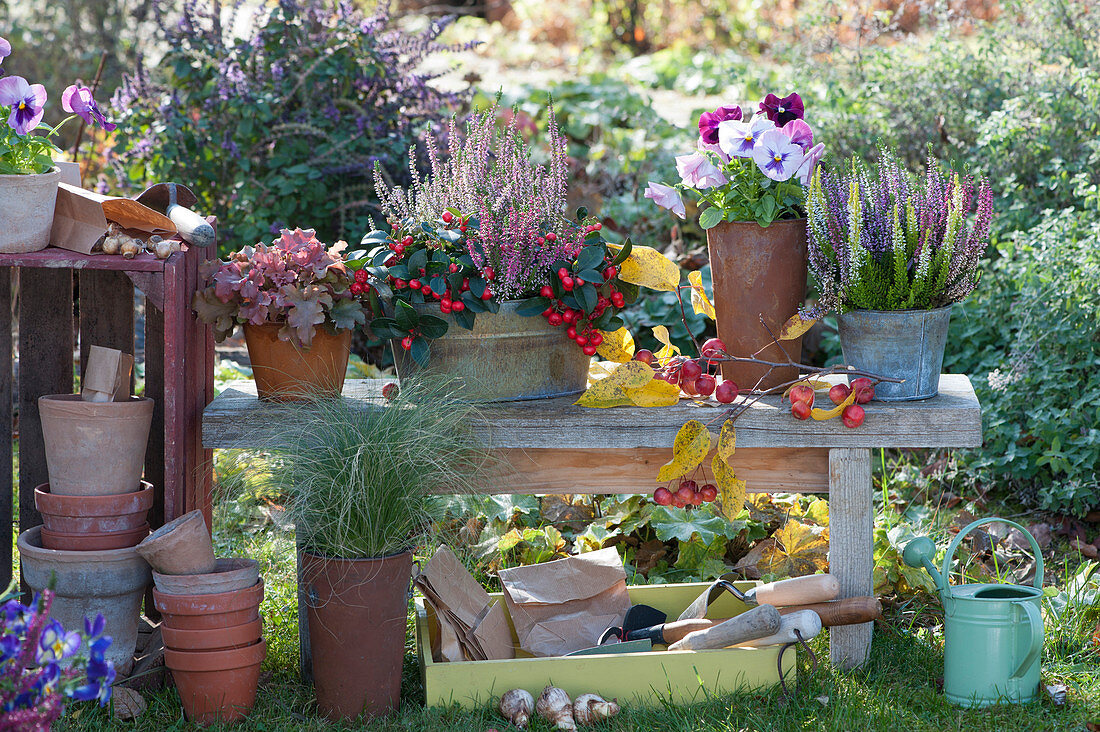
(919, 553)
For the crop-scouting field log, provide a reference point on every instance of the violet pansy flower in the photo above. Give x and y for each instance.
(5, 48)
(26, 101)
(813, 156)
(738, 139)
(697, 171)
(777, 157)
(709, 121)
(55, 644)
(666, 197)
(78, 99)
(800, 133)
(782, 111)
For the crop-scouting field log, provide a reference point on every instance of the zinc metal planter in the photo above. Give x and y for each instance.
(506, 357)
(903, 344)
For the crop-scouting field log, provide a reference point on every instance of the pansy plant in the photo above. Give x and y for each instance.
(22, 106)
(747, 167)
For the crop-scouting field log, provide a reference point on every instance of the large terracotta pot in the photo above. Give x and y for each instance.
(83, 542)
(88, 582)
(26, 208)
(181, 546)
(757, 271)
(357, 614)
(93, 514)
(215, 639)
(210, 612)
(94, 448)
(216, 686)
(229, 575)
(286, 372)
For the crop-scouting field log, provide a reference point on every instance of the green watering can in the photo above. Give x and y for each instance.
(994, 633)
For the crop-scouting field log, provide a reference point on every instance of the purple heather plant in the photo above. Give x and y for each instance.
(34, 686)
(296, 282)
(883, 239)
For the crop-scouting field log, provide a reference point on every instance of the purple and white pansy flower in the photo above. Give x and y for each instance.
(697, 171)
(27, 102)
(800, 133)
(5, 48)
(78, 100)
(776, 155)
(805, 170)
(738, 138)
(666, 197)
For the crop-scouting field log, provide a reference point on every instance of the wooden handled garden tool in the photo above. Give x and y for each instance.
(793, 627)
(796, 591)
(175, 201)
(759, 622)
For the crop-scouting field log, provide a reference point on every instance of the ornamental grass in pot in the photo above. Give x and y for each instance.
(891, 252)
(295, 301)
(751, 170)
(483, 242)
(359, 483)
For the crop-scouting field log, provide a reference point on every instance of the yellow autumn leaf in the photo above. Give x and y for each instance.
(608, 391)
(657, 393)
(794, 327)
(727, 440)
(603, 394)
(668, 350)
(823, 414)
(815, 384)
(647, 267)
(818, 512)
(596, 371)
(731, 489)
(699, 300)
(632, 375)
(799, 549)
(691, 446)
(617, 345)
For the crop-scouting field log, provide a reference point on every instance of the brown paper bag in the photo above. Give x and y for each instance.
(563, 606)
(107, 377)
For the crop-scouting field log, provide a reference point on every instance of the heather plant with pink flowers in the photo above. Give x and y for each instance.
(747, 166)
(883, 239)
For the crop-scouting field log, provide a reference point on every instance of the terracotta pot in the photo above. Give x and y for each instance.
(93, 514)
(109, 582)
(216, 686)
(228, 575)
(217, 639)
(94, 448)
(286, 372)
(357, 613)
(26, 208)
(208, 612)
(181, 546)
(757, 271)
(78, 542)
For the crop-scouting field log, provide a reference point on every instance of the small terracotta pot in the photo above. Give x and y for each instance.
(93, 514)
(94, 448)
(181, 546)
(217, 639)
(206, 612)
(77, 542)
(228, 575)
(286, 372)
(216, 686)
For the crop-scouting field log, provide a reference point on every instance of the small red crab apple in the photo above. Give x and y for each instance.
(711, 349)
(662, 496)
(853, 415)
(705, 385)
(686, 493)
(709, 492)
(801, 410)
(839, 393)
(389, 391)
(691, 369)
(726, 392)
(864, 389)
(644, 355)
(802, 393)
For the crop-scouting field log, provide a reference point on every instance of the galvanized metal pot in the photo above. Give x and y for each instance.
(757, 272)
(506, 357)
(27, 208)
(903, 344)
(994, 632)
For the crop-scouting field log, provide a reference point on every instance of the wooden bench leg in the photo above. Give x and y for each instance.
(851, 554)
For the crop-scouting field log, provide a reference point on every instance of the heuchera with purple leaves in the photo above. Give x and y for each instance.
(486, 225)
(295, 281)
(883, 239)
(42, 666)
(747, 167)
(22, 152)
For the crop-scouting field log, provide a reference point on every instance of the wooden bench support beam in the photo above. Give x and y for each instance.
(851, 552)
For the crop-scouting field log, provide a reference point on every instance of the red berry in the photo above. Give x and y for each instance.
(399, 283)
(570, 315)
(688, 386)
(662, 496)
(686, 493)
(617, 299)
(726, 392)
(562, 273)
(488, 273)
(801, 410)
(390, 261)
(487, 294)
(578, 282)
(446, 302)
(356, 288)
(446, 310)
(389, 391)
(802, 393)
(853, 415)
(610, 272)
(399, 249)
(677, 501)
(462, 228)
(839, 393)
(697, 498)
(465, 284)
(551, 236)
(567, 283)
(589, 350)
(546, 291)
(581, 340)
(554, 319)
(690, 484)
(361, 276)
(407, 342)
(644, 355)
(672, 377)
(448, 216)
(452, 268)
(705, 384)
(709, 492)
(458, 306)
(571, 332)
(407, 241)
(712, 349)
(864, 389)
(414, 284)
(597, 226)
(595, 339)
(547, 312)
(691, 369)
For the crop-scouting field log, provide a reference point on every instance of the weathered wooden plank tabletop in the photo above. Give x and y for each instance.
(236, 419)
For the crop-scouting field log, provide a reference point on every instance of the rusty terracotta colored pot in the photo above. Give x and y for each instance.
(80, 542)
(215, 639)
(357, 614)
(93, 514)
(229, 575)
(181, 546)
(757, 271)
(209, 612)
(286, 372)
(216, 686)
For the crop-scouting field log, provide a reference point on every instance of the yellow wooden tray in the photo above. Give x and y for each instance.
(641, 679)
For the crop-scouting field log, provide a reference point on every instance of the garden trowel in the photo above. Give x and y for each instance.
(175, 201)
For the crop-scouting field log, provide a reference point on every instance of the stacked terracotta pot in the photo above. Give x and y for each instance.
(210, 610)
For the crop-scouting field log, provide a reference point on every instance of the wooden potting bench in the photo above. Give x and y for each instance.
(555, 447)
(179, 364)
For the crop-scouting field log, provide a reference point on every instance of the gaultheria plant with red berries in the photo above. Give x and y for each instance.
(487, 224)
(295, 281)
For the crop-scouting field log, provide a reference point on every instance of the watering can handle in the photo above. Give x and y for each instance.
(1036, 622)
(950, 556)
